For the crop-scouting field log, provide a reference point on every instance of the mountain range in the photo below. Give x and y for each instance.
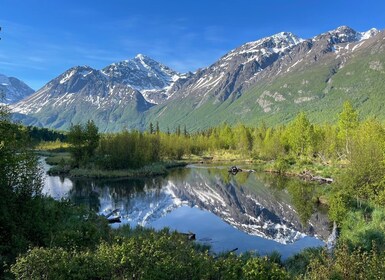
(270, 80)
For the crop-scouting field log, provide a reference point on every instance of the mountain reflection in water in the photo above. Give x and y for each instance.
(248, 208)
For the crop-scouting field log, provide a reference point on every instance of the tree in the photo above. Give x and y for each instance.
(20, 189)
(177, 130)
(157, 130)
(347, 122)
(92, 138)
(84, 141)
(76, 138)
(364, 176)
(243, 139)
(300, 134)
(151, 128)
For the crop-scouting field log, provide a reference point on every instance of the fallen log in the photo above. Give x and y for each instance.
(322, 179)
(307, 175)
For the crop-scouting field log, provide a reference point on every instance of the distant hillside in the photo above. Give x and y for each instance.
(13, 90)
(115, 97)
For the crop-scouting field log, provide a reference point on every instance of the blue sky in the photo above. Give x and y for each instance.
(40, 39)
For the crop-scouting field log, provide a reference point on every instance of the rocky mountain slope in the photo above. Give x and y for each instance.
(144, 74)
(13, 89)
(276, 77)
(270, 79)
(115, 97)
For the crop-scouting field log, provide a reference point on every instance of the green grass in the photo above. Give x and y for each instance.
(53, 146)
(63, 158)
(156, 169)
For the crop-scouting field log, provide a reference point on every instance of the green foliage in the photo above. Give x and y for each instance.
(281, 165)
(347, 122)
(126, 150)
(143, 254)
(300, 135)
(364, 228)
(298, 264)
(262, 268)
(52, 146)
(39, 134)
(302, 194)
(348, 264)
(84, 140)
(363, 178)
(338, 206)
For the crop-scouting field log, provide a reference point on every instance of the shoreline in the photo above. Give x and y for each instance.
(153, 170)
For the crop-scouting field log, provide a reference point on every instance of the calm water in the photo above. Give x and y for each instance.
(248, 211)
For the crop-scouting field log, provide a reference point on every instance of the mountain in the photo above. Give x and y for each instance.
(83, 93)
(271, 79)
(146, 75)
(13, 89)
(114, 97)
(274, 78)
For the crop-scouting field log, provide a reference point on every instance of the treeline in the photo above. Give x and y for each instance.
(38, 134)
(300, 140)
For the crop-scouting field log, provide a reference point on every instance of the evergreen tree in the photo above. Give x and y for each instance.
(157, 130)
(76, 138)
(151, 128)
(177, 130)
(91, 138)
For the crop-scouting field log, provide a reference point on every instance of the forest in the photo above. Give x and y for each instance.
(41, 238)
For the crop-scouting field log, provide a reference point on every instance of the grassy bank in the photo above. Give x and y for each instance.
(155, 169)
(61, 165)
(297, 167)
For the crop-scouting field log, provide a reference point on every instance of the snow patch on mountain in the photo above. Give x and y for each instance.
(266, 46)
(237, 68)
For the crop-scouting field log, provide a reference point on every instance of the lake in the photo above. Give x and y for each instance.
(248, 211)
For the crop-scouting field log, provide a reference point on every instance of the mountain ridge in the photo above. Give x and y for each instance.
(252, 82)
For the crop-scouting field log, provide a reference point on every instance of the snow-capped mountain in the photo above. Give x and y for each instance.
(13, 89)
(345, 34)
(107, 96)
(272, 78)
(83, 93)
(231, 72)
(146, 75)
